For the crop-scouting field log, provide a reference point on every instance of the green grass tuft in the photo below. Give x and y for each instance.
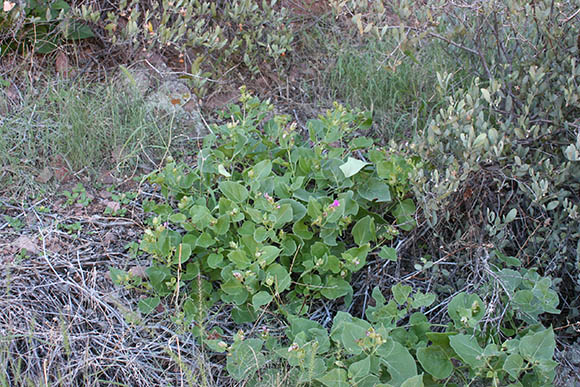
(89, 127)
(400, 91)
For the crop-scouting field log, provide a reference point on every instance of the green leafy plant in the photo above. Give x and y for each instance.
(222, 34)
(397, 346)
(42, 25)
(72, 228)
(123, 199)
(269, 220)
(78, 195)
(503, 148)
(16, 223)
(274, 218)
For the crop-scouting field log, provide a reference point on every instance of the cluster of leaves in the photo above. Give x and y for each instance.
(209, 35)
(397, 346)
(78, 195)
(39, 25)
(271, 216)
(516, 127)
(269, 221)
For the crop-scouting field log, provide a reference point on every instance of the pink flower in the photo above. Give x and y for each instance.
(335, 204)
(268, 197)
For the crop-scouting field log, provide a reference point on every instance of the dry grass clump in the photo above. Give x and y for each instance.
(64, 323)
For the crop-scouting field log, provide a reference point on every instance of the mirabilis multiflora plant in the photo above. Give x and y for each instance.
(270, 216)
(269, 219)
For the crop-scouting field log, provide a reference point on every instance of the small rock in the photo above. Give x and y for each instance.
(25, 242)
(62, 65)
(44, 176)
(114, 206)
(138, 271)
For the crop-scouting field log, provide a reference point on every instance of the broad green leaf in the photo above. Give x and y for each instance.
(511, 279)
(314, 208)
(118, 276)
(236, 192)
(243, 313)
(223, 225)
(337, 377)
(78, 31)
(300, 324)
(158, 275)
(260, 299)
(511, 215)
(234, 292)
(360, 369)
(147, 305)
(440, 338)
(280, 277)
(401, 293)
(255, 215)
(200, 216)
(269, 254)
(262, 170)
(240, 258)
(375, 189)
(378, 296)
(404, 212)
(313, 370)
(468, 350)
(399, 362)
(215, 260)
(283, 215)
(222, 171)
(547, 368)
(352, 167)
(329, 233)
(183, 253)
(415, 381)
(491, 350)
(572, 153)
(215, 345)
(510, 261)
(538, 346)
(246, 358)
(177, 218)
(486, 95)
(205, 240)
(289, 246)
(388, 253)
(466, 309)
(364, 231)
(370, 380)
(356, 257)
(352, 333)
(233, 286)
(298, 209)
(480, 140)
(513, 365)
(260, 234)
(335, 213)
(302, 231)
(361, 143)
(336, 287)
(435, 361)
(319, 250)
(420, 299)
(320, 335)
